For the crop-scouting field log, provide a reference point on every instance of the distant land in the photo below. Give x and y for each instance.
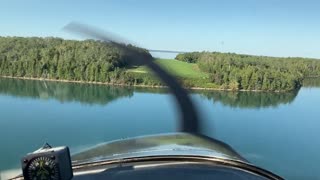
(92, 61)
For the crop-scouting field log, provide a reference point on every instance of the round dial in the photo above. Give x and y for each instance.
(42, 168)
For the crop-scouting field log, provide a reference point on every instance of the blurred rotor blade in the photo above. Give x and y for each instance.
(189, 117)
(93, 33)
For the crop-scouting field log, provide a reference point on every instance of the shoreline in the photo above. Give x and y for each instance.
(126, 85)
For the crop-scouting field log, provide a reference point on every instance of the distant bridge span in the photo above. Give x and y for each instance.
(167, 51)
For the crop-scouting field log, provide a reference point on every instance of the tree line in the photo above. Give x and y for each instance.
(96, 61)
(55, 58)
(246, 72)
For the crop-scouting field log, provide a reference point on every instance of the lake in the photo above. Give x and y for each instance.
(276, 131)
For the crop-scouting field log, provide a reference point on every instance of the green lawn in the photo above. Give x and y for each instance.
(177, 68)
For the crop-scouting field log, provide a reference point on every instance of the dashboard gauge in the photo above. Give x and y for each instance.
(42, 168)
(47, 163)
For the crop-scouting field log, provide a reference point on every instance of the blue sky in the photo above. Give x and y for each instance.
(260, 27)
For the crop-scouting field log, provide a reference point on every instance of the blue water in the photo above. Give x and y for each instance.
(279, 132)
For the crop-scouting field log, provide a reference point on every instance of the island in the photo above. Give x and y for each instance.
(91, 61)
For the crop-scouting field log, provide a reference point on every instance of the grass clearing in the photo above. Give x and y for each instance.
(177, 68)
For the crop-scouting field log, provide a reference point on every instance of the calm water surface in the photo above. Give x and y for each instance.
(277, 131)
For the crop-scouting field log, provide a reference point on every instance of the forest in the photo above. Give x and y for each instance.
(246, 72)
(96, 61)
(55, 58)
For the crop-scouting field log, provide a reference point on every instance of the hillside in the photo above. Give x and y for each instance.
(92, 61)
(58, 59)
(246, 72)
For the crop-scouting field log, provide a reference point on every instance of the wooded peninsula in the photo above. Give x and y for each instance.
(100, 62)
